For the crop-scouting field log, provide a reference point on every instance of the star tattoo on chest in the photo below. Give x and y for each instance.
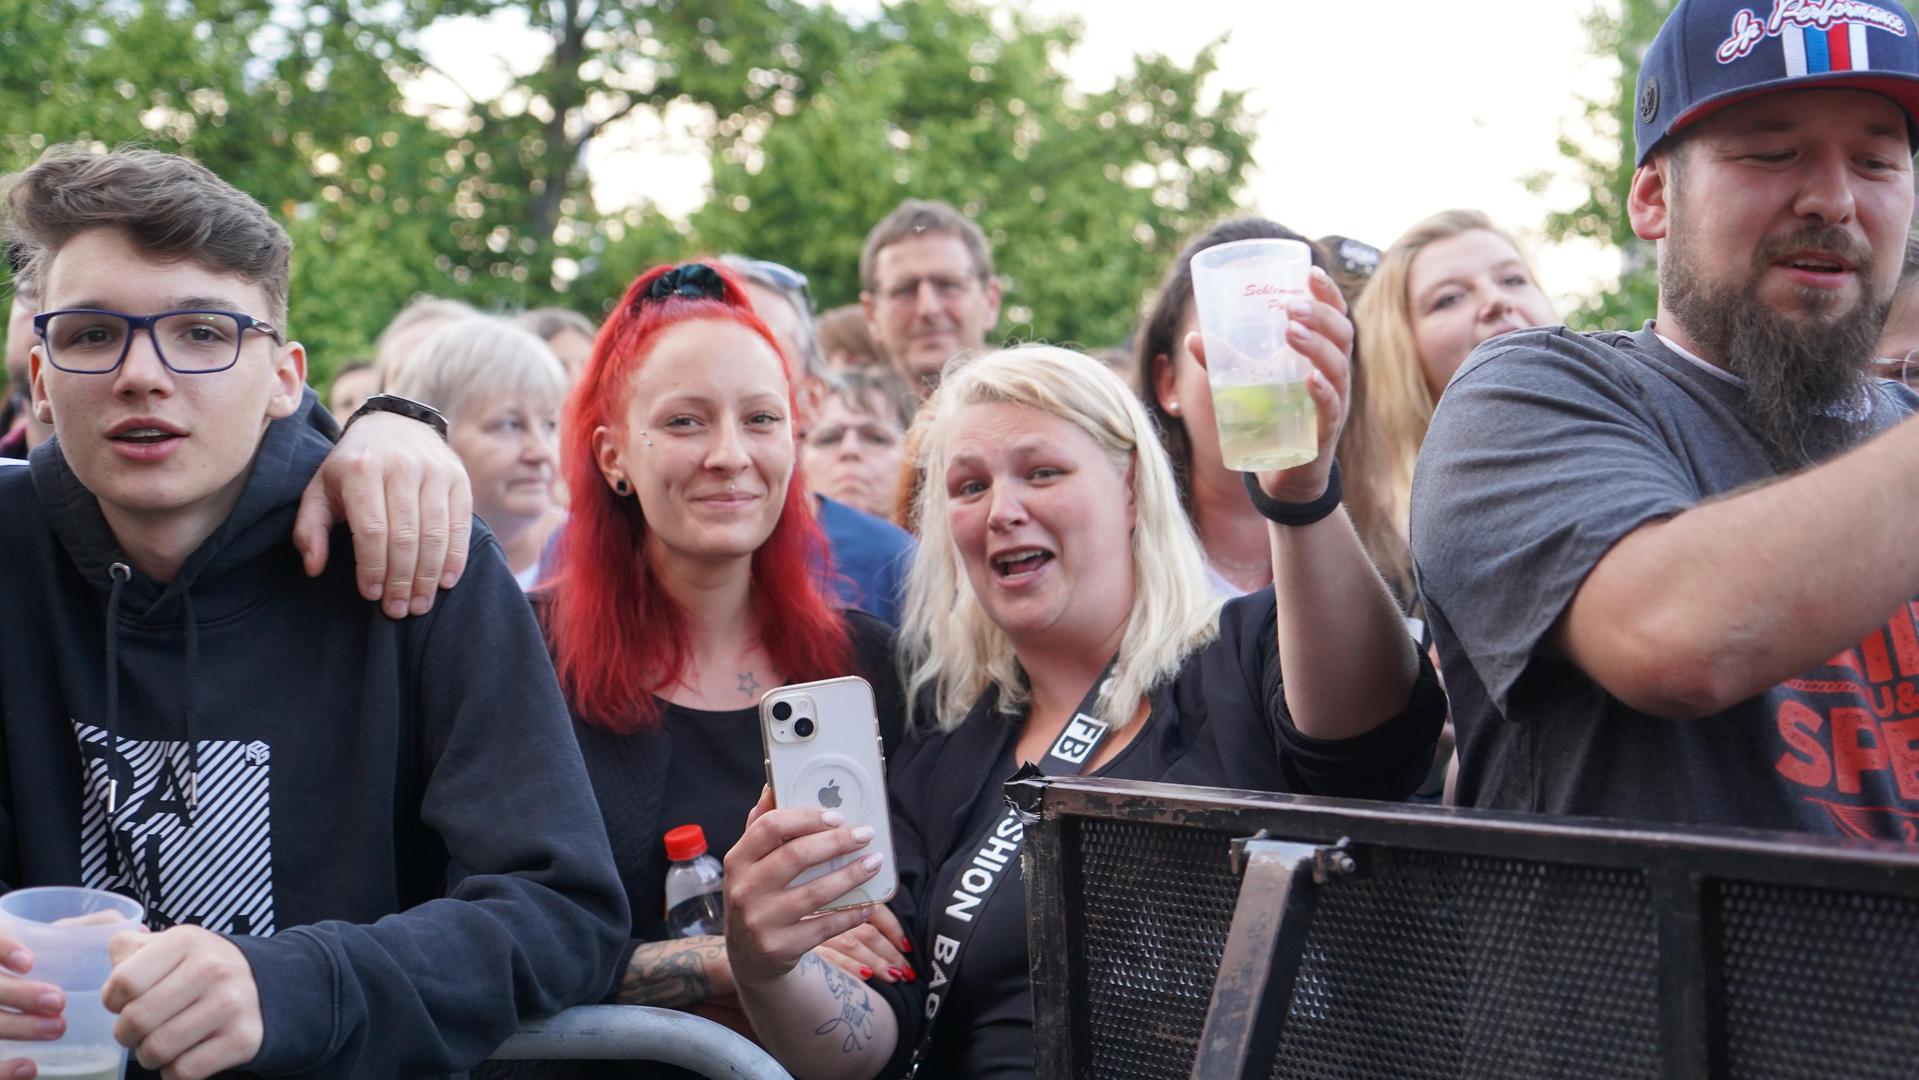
(748, 684)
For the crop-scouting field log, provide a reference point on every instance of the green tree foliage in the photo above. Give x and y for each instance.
(296, 105)
(821, 122)
(1599, 154)
(1085, 197)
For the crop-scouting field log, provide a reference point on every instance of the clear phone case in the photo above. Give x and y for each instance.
(836, 764)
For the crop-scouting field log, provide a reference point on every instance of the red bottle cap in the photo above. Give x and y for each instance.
(685, 842)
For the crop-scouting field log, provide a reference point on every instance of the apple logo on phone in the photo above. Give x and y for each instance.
(830, 795)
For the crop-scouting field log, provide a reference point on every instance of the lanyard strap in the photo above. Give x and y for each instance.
(994, 852)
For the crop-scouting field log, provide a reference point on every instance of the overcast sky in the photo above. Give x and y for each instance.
(1372, 116)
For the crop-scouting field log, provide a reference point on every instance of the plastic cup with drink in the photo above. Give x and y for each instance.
(67, 930)
(1261, 402)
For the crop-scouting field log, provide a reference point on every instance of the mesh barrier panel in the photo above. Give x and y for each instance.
(1818, 983)
(1431, 966)
(1159, 902)
(1450, 966)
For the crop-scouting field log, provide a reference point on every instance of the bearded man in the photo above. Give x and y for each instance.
(1670, 573)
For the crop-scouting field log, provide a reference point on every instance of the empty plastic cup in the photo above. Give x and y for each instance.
(67, 930)
(1265, 414)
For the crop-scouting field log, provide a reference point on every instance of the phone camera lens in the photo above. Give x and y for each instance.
(782, 711)
(803, 728)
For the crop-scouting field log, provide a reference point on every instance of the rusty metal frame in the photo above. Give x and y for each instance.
(1675, 864)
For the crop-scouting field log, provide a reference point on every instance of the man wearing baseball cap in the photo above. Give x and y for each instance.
(1671, 572)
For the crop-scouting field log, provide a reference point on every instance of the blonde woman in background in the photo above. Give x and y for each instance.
(1059, 579)
(500, 389)
(1453, 281)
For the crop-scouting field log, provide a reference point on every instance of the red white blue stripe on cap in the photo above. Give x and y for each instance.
(1811, 50)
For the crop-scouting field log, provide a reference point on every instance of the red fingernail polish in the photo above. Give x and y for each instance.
(906, 944)
(894, 972)
(865, 972)
(911, 976)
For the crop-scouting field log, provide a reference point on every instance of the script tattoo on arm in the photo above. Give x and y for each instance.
(853, 1024)
(671, 973)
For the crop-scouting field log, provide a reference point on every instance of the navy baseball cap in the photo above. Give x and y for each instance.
(1715, 53)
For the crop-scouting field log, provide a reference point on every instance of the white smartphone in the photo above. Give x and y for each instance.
(823, 750)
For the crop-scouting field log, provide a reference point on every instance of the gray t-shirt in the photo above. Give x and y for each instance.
(1548, 448)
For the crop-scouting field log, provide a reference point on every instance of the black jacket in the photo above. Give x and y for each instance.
(631, 774)
(1220, 722)
(291, 768)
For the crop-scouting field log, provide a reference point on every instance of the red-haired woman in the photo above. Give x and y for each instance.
(687, 585)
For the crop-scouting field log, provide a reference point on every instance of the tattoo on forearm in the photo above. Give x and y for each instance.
(671, 973)
(853, 1024)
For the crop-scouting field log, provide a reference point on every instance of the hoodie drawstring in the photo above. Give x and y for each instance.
(193, 669)
(121, 574)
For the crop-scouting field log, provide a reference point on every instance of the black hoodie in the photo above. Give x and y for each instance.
(287, 766)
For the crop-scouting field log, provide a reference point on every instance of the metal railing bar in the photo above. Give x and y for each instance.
(642, 1033)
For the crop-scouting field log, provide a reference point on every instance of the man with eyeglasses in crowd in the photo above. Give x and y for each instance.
(927, 284)
(367, 847)
(1670, 573)
(869, 555)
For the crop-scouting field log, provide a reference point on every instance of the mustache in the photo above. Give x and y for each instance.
(1829, 238)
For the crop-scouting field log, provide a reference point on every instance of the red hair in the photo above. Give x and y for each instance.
(618, 638)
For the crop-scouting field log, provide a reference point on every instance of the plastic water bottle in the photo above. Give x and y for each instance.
(695, 886)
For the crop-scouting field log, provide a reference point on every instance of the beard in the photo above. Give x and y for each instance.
(1805, 373)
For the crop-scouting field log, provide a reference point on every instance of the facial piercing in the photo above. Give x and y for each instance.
(643, 438)
(622, 488)
(731, 488)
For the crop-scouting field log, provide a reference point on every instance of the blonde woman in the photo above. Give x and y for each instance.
(1058, 576)
(1454, 280)
(500, 389)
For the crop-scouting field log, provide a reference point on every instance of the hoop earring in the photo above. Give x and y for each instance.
(622, 488)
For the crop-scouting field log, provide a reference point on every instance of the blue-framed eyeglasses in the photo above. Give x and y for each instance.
(92, 341)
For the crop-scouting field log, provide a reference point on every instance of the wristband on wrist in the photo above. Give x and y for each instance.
(1291, 513)
(399, 406)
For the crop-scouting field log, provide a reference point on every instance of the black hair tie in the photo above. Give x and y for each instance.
(1289, 513)
(695, 281)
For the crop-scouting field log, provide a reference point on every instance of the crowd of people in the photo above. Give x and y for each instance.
(381, 706)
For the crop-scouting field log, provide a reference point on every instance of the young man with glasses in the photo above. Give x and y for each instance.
(368, 847)
(927, 284)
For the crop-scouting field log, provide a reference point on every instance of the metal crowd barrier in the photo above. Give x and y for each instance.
(1187, 932)
(641, 1033)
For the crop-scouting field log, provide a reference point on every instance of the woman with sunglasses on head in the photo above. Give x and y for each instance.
(686, 587)
(1059, 580)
